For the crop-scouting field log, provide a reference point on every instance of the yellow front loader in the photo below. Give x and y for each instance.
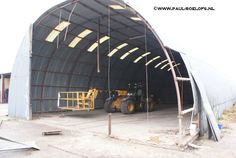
(113, 103)
(129, 102)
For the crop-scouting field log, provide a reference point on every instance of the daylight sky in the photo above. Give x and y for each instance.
(206, 35)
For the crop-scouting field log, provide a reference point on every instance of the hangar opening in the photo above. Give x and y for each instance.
(104, 45)
(99, 44)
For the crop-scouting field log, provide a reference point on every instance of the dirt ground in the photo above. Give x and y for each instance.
(81, 137)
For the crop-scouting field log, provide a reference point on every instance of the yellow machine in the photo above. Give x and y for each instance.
(113, 103)
(129, 102)
(77, 101)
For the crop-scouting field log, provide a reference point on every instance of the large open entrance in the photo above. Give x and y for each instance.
(103, 44)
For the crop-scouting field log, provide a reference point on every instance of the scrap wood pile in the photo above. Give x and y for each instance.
(229, 115)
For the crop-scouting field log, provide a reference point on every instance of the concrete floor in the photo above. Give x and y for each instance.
(84, 134)
(86, 131)
(140, 126)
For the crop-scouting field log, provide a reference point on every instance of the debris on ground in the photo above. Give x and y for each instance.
(48, 133)
(195, 146)
(9, 144)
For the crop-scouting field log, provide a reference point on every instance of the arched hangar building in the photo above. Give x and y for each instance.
(106, 44)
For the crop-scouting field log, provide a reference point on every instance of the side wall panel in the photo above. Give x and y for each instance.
(220, 90)
(19, 94)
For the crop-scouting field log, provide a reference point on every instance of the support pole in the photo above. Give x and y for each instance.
(180, 116)
(171, 66)
(2, 95)
(109, 65)
(109, 124)
(146, 71)
(98, 47)
(174, 78)
(109, 50)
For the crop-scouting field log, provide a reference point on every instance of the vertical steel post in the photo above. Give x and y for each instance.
(98, 47)
(176, 88)
(109, 65)
(3, 89)
(171, 66)
(146, 73)
(109, 124)
(173, 74)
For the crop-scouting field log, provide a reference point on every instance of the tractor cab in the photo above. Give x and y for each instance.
(129, 101)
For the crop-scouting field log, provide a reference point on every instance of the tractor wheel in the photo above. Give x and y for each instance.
(127, 107)
(108, 106)
(150, 108)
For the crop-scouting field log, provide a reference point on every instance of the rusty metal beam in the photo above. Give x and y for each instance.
(172, 71)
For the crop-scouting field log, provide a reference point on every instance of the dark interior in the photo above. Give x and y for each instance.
(57, 67)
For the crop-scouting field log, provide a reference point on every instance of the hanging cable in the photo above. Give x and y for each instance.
(54, 10)
(58, 37)
(69, 20)
(109, 50)
(98, 47)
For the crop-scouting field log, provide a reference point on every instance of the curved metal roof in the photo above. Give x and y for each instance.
(61, 51)
(56, 66)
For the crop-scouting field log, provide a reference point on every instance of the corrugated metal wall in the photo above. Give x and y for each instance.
(19, 93)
